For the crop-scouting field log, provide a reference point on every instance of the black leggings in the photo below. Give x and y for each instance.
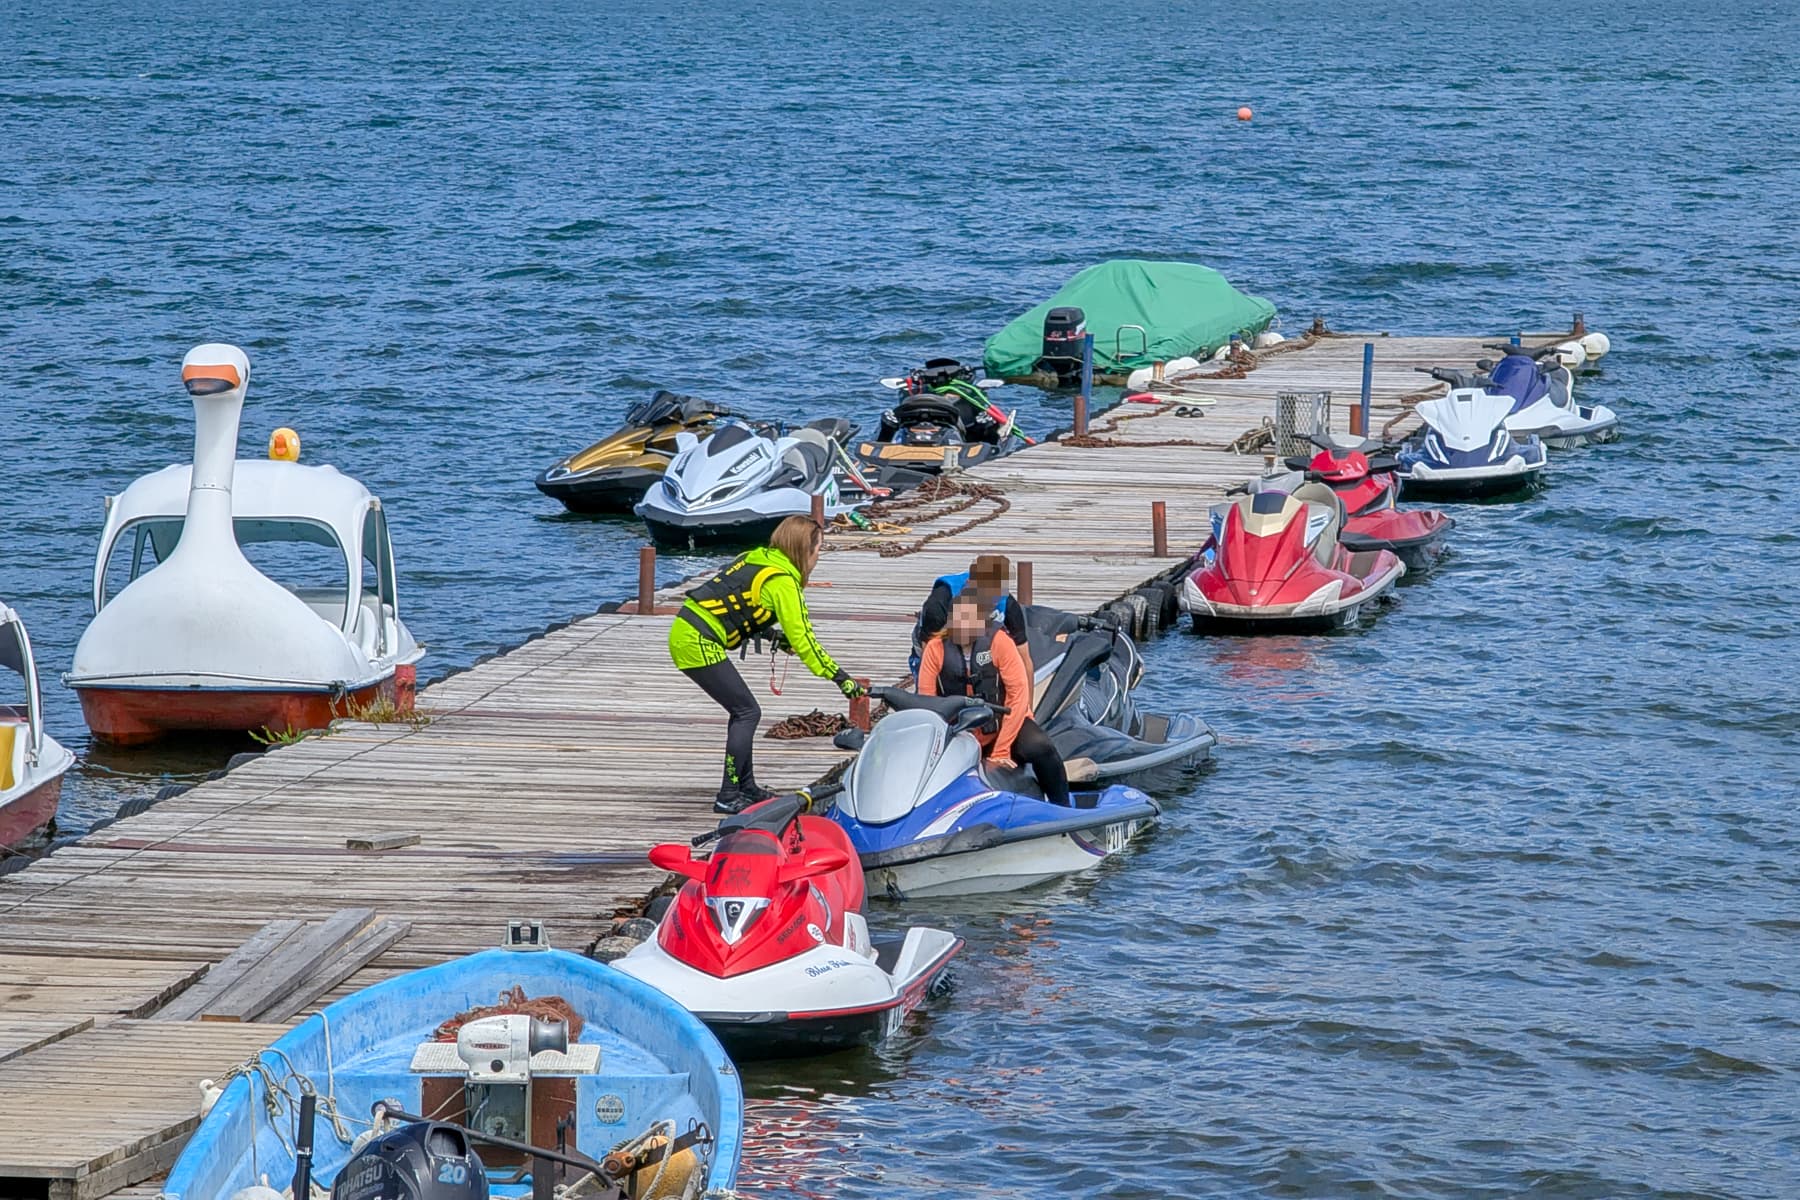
(1034, 748)
(722, 682)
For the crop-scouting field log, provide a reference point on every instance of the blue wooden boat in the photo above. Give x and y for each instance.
(657, 1069)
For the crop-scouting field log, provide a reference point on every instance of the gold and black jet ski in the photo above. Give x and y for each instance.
(613, 474)
(942, 421)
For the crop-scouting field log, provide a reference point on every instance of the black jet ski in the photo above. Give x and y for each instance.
(1085, 669)
(942, 421)
(612, 475)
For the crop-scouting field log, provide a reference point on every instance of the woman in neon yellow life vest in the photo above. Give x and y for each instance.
(758, 591)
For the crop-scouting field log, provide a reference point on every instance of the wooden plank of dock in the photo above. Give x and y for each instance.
(91, 1113)
(543, 774)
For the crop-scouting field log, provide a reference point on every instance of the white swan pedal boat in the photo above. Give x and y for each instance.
(198, 638)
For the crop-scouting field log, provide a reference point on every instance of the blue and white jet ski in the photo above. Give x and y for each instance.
(927, 818)
(1465, 451)
(1541, 384)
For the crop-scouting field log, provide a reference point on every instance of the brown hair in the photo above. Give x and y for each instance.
(799, 539)
(990, 571)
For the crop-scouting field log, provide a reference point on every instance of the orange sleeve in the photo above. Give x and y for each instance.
(931, 661)
(1017, 681)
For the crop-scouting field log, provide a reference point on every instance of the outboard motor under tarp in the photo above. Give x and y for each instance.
(424, 1160)
(1064, 329)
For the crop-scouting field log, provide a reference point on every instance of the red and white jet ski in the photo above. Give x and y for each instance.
(1364, 480)
(1274, 565)
(766, 941)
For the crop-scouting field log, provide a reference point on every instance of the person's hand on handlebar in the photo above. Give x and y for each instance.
(1002, 760)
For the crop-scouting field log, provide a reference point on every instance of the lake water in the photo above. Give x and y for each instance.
(1495, 897)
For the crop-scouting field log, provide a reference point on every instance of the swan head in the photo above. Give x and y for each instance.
(215, 368)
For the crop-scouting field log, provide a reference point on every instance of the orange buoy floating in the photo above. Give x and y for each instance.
(1244, 113)
(284, 445)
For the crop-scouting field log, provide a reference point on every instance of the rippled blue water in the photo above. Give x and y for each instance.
(1496, 897)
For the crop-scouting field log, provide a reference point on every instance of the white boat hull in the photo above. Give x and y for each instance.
(1006, 868)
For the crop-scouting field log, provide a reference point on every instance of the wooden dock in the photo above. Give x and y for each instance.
(538, 782)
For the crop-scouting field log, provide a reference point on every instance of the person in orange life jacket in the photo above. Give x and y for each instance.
(987, 579)
(976, 657)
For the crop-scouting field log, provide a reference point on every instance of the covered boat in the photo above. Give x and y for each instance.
(198, 638)
(626, 1075)
(32, 763)
(1139, 313)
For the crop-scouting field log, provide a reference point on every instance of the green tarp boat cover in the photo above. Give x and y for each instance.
(1185, 309)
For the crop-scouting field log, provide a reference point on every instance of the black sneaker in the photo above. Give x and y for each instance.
(756, 793)
(731, 800)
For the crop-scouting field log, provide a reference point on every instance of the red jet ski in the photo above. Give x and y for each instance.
(766, 941)
(1368, 489)
(1274, 565)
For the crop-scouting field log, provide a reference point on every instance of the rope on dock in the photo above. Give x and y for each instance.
(1093, 440)
(808, 725)
(951, 495)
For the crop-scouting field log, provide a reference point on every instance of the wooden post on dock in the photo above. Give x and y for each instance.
(1361, 427)
(1087, 384)
(859, 708)
(646, 581)
(1579, 326)
(818, 510)
(1159, 529)
(1023, 590)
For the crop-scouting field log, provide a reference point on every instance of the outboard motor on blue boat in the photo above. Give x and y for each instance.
(425, 1160)
(1063, 330)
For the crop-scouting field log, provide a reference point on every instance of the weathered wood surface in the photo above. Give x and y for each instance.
(22, 1034)
(542, 778)
(111, 1106)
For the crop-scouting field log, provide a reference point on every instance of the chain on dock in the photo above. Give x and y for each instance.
(952, 495)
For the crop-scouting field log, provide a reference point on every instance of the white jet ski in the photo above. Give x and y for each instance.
(1541, 385)
(1465, 451)
(738, 485)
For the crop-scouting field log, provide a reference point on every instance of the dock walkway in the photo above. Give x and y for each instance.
(536, 785)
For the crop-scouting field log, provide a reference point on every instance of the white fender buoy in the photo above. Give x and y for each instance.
(1267, 338)
(1139, 379)
(1596, 345)
(1222, 353)
(1571, 355)
(209, 1095)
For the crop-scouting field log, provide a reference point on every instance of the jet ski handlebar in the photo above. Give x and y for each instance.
(1538, 354)
(947, 707)
(771, 816)
(1454, 377)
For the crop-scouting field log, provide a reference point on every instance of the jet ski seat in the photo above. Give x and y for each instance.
(833, 429)
(1317, 495)
(809, 453)
(1082, 654)
(1019, 780)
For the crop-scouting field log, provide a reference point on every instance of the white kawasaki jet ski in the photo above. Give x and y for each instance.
(1465, 451)
(1541, 386)
(739, 484)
